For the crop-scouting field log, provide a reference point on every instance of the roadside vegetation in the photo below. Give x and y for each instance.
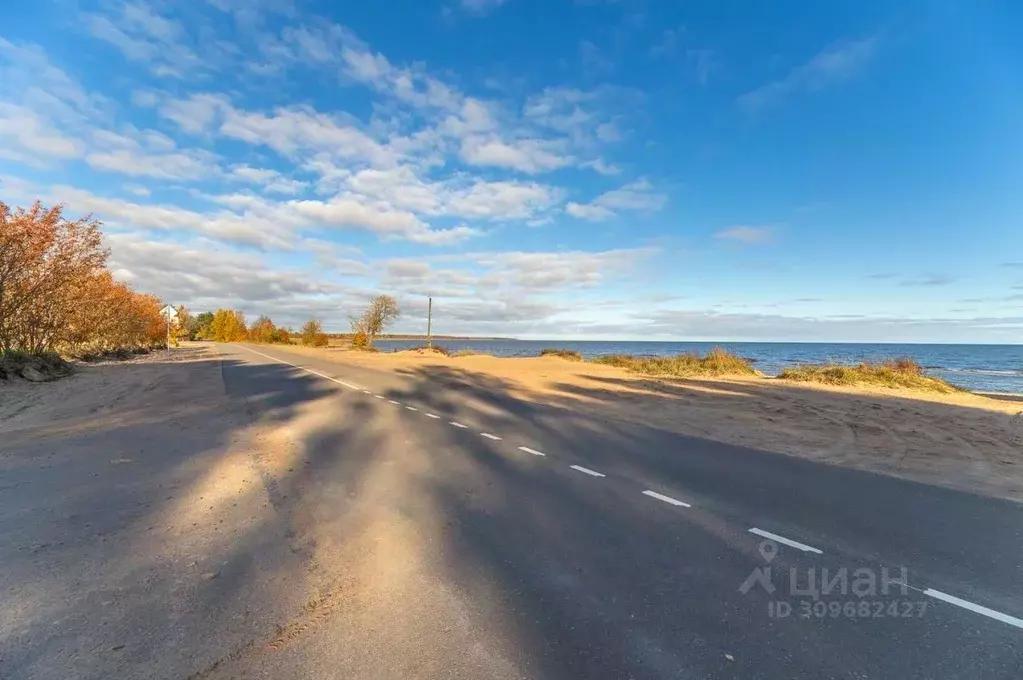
(58, 299)
(569, 354)
(902, 372)
(381, 313)
(312, 334)
(717, 362)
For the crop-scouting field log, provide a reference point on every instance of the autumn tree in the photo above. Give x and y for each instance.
(45, 261)
(183, 324)
(263, 330)
(381, 313)
(228, 326)
(312, 334)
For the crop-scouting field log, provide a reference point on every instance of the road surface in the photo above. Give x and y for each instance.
(452, 531)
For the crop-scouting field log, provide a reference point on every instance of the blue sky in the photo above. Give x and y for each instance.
(633, 169)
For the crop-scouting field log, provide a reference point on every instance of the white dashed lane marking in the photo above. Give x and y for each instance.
(666, 499)
(392, 401)
(431, 415)
(411, 408)
(990, 613)
(464, 427)
(301, 368)
(786, 541)
(529, 450)
(587, 471)
(379, 396)
(490, 436)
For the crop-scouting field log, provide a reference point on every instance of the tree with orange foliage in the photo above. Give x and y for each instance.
(44, 260)
(55, 290)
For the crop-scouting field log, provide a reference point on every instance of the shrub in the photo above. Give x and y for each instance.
(902, 372)
(464, 352)
(56, 292)
(361, 341)
(717, 362)
(312, 334)
(569, 354)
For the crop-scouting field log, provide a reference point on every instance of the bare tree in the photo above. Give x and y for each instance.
(382, 311)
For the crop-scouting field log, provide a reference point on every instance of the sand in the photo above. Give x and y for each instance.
(965, 441)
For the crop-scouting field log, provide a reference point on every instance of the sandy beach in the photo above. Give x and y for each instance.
(965, 441)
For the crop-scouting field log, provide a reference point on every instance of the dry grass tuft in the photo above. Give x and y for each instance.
(901, 372)
(569, 354)
(717, 362)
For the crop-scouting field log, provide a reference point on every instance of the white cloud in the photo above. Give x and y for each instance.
(482, 6)
(346, 212)
(746, 234)
(834, 63)
(593, 213)
(602, 167)
(143, 35)
(149, 154)
(196, 113)
(22, 128)
(292, 131)
(637, 196)
(269, 180)
(527, 155)
(468, 199)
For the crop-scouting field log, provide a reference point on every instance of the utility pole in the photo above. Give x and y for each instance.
(429, 322)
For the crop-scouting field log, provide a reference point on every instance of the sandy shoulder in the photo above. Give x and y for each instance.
(964, 441)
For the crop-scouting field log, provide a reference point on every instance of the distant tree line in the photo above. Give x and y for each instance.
(226, 325)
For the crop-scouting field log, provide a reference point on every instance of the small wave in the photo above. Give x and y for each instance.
(978, 371)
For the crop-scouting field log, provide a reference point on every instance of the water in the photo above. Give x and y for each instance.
(982, 368)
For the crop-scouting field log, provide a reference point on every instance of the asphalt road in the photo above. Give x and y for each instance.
(586, 548)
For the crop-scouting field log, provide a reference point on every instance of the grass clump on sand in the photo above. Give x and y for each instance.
(464, 352)
(716, 362)
(569, 354)
(902, 372)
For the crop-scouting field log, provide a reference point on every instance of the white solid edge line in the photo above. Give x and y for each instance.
(459, 425)
(411, 408)
(529, 450)
(787, 541)
(587, 471)
(666, 499)
(991, 613)
(432, 415)
(301, 368)
(490, 436)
